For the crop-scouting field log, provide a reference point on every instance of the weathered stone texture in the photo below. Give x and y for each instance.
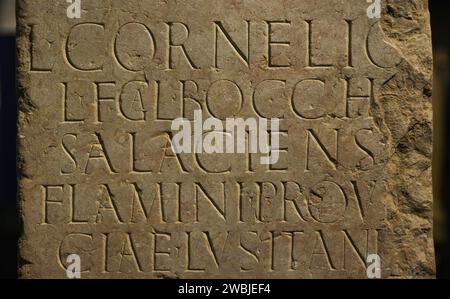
(98, 178)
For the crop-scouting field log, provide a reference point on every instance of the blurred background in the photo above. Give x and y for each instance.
(440, 26)
(8, 209)
(9, 228)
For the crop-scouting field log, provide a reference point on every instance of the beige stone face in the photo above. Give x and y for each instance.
(99, 178)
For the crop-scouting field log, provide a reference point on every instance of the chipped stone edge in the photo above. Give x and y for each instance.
(409, 225)
(25, 106)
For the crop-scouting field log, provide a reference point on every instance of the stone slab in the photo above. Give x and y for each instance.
(98, 176)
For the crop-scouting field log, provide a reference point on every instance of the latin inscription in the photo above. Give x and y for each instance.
(112, 189)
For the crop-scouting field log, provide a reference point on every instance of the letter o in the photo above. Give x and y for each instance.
(224, 99)
(134, 47)
(327, 202)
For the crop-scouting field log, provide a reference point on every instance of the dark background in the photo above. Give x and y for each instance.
(440, 26)
(9, 223)
(8, 208)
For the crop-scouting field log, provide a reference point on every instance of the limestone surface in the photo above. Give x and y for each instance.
(104, 192)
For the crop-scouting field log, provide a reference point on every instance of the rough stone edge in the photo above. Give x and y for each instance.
(25, 106)
(409, 238)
